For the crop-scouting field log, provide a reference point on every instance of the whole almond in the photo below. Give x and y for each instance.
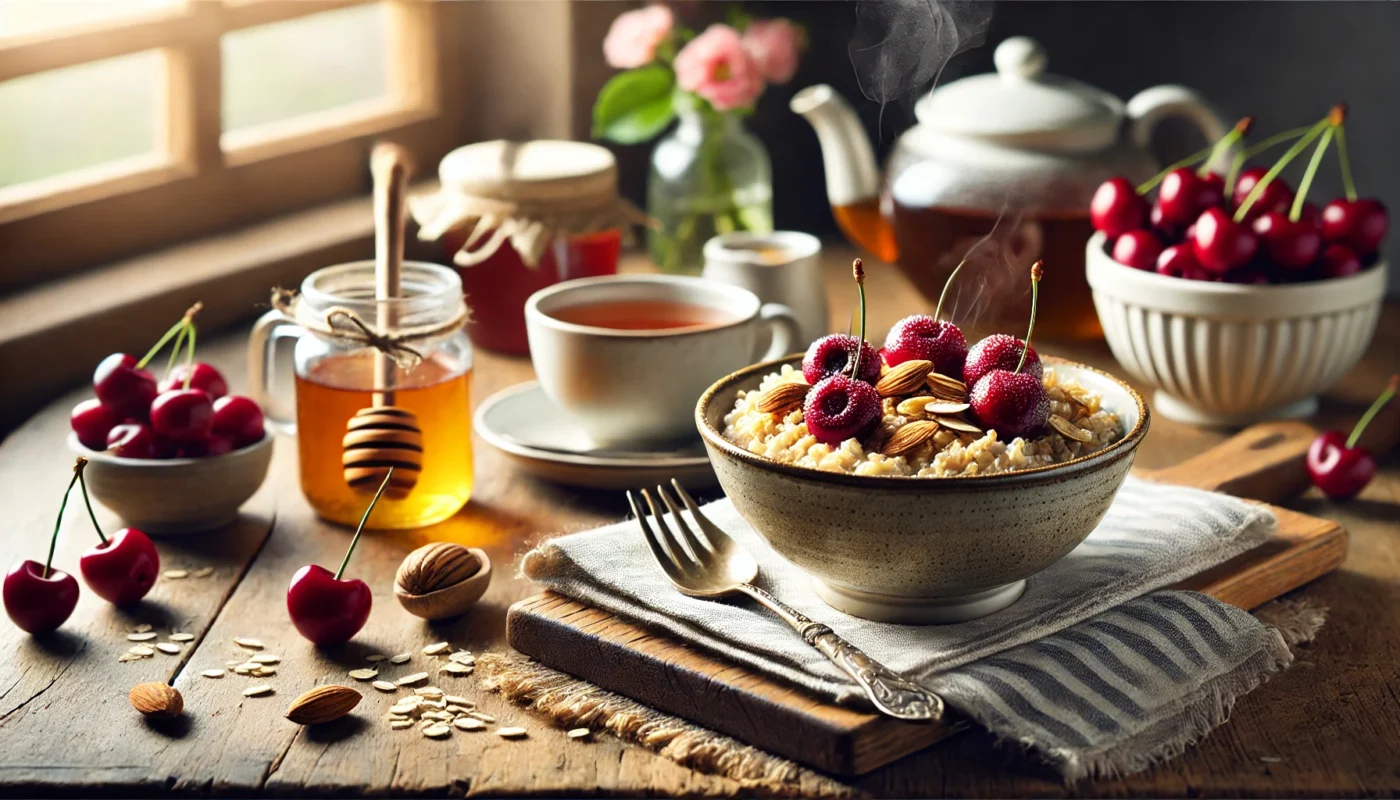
(436, 566)
(909, 436)
(947, 388)
(323, 704)
(157, 700)
(904, 378)
(783, 398)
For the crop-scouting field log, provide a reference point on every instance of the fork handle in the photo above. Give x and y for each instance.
(891, 693)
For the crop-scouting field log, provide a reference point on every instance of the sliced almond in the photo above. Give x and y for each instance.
(462, 657)
(457, 700)
(401, 658)
(1069, 430)
(512, 733)
(258, 691)
(437, 730)
(385, 686)
(364, 674)
(481, 715)
(125, 657)
(943, 407)
(783, 398)
(909, 436)
(469, 724)
(375, 658)
(251, 644)
(142, 637)
(960, 425)
(142, 651)
(213, 673)
(456, 669)
(579, 733)
(179, 636)
(202, 572)
(169, 648)
(430, 692)
(264, 658)
(176, 574)
(914, 406)
(400, 724)
(436, 649)
(416, 677)
(264, 672)
(904, 378)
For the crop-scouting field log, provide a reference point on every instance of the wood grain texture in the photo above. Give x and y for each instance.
(1330, 726)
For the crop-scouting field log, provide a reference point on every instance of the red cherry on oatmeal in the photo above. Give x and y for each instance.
(1137, 249)
(839, 408)
(1220, 244)
(1338, 261)
(1359, 224)
(1290, 245)
(1184, 195)
(202, 376)
(182, 415)
(123, 386)
(921, 337)
(1116, 208)
(999, 351)
(833, 354)
(91, 420)
(1011, 403)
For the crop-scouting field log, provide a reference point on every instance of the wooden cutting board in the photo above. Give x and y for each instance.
(1264, 462)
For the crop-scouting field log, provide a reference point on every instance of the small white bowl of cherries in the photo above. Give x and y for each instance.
(173, 455)
(1233, 295)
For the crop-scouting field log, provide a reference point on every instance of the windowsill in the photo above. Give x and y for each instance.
(51, 335)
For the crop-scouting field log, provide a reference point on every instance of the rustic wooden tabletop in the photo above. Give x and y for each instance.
(1330, 725)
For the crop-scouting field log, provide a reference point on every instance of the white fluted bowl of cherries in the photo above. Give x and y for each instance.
(1231, 295)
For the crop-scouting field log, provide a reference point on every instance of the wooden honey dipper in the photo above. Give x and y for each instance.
(385, 435)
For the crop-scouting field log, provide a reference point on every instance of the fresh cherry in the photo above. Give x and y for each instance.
(825, 357)
(1014, 402)
(840, 408)
(1276, 196)
(925, 338)
(217, 445)
(182, 415)
(1291, 245)
(1359, 224)
(122, 385)
(1179, 261)
(239, 419)
(1336, 464)
(1252, 275)
(1338, 261)
(91, 420)
(122, 569)
(324, 608)
(1116, 208)
(1184, 195)
(999, 351)
(133, 440)
(1138, 249)
(38, 597)
(1166, 231)
(1221, 244)
(201, 375)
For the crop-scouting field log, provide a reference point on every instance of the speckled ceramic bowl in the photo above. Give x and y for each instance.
(922, 550)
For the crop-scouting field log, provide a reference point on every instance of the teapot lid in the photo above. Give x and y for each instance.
(1021, 106)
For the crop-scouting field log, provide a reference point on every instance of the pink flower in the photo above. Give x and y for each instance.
(634, 36)
(774, 45)
(716, 66)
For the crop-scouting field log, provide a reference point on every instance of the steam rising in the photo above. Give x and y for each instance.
(900, 47)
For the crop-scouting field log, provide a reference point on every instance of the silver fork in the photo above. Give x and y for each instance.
(712, 565)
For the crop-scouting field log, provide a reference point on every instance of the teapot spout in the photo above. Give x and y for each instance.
(852, 176)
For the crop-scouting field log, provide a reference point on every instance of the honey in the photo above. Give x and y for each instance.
(437, 391)
(994, 293)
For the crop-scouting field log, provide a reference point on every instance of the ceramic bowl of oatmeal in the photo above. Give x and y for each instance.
(944, 525)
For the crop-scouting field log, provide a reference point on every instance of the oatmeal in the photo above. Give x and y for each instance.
(924, 434)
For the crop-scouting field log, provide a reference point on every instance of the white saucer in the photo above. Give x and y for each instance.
(522, 422)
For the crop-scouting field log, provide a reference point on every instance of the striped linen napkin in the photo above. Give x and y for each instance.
(1092, 669)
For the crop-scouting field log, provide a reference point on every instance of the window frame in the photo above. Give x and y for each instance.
(201, 180)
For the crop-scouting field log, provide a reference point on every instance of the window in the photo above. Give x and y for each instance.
(131, 124)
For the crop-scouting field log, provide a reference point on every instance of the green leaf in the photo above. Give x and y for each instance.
(635, 105)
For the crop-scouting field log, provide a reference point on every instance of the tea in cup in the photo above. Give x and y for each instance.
(628, 356)
(780, 267)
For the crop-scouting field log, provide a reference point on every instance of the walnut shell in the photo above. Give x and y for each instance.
(436, 566)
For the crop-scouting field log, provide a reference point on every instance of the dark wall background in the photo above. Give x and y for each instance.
(1284, 62)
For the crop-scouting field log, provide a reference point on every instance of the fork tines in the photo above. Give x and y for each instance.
(679, 545)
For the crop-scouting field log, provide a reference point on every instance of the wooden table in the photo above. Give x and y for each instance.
(1330, 725)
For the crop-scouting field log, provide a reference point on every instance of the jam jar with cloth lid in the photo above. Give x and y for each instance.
(516, 217)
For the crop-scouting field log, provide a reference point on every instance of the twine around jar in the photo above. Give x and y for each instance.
(343, 324)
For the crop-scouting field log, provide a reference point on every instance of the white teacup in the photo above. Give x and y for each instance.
(628, 356)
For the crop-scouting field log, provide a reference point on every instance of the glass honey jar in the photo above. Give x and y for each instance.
(335, 377)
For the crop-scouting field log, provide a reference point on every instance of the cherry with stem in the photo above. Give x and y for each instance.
(1012, 402)
(1204, 158)
(1291, 153)
(120, 569)
(1340, 467)
(1311, 171)
(354, 540)
(858, 270)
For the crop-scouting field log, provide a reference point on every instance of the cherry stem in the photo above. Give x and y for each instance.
(1292, 153)
(1037, 272)
(356, 540)
(87, 501)
(1373, 411)
(1276, 139)
(189, 358)
(58, 523)
(858, 269)
(1190, 161)
(1347, 182)
(1228, 140)
(1236, 164)
(1306, 183)
(175, 352)
(187, 319)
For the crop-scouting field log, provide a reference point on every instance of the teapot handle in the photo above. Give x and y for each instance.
(1150, 106)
